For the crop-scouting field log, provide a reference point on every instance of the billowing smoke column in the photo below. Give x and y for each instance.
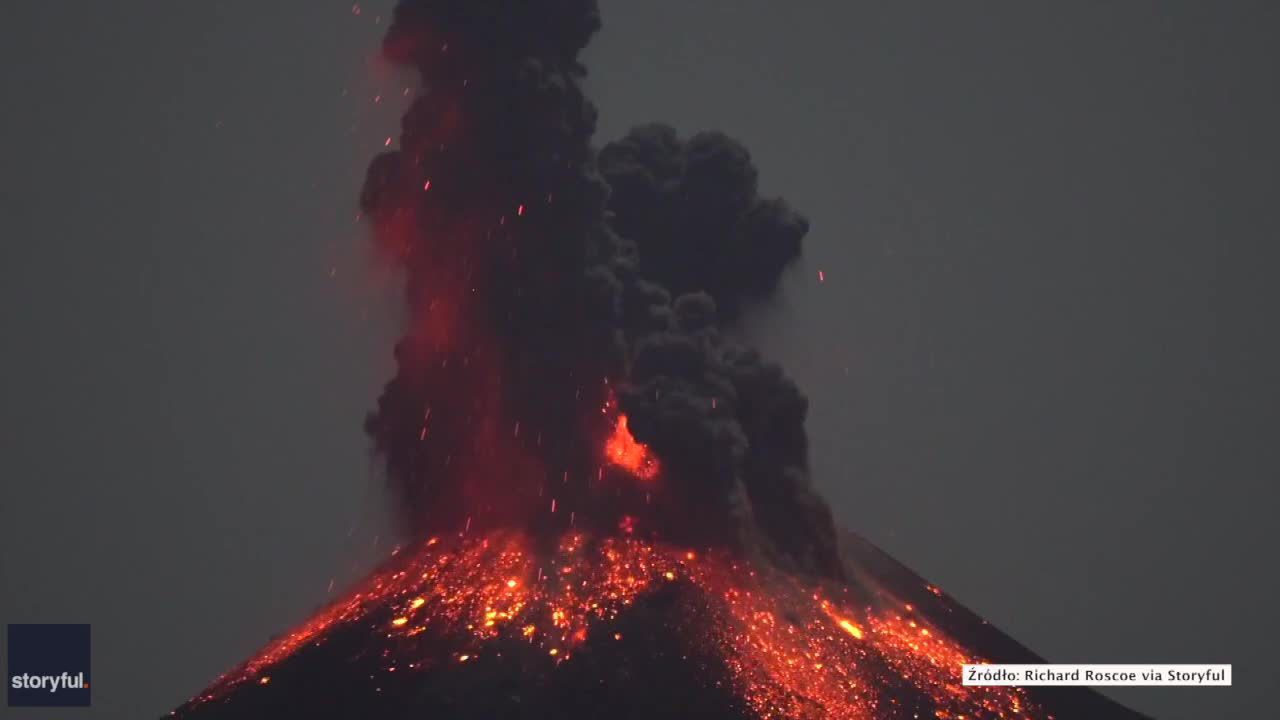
(559, 297)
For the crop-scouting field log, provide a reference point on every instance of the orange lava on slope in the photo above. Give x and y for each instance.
(792, 650)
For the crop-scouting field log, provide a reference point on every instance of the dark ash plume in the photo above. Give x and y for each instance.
(693, 208)
(545, 281)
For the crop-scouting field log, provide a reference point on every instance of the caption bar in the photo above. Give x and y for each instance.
(1092, 675)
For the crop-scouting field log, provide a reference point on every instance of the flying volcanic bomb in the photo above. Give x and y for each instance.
(608, 498)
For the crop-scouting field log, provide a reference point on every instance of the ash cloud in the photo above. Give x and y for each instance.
(692, 207)
(546, 279)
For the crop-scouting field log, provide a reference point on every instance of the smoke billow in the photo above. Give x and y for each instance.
(551, 286)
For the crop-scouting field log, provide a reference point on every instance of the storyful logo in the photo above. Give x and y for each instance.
(48, 665)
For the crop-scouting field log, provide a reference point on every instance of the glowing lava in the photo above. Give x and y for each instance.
(789, 649)
(623, 450)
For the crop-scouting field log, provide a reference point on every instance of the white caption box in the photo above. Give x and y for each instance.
(1155, 674)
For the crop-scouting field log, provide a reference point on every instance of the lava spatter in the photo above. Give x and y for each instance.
(623, 451)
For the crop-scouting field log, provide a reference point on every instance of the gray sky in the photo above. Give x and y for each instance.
(1041, 364)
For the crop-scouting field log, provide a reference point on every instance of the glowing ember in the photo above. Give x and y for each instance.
(850, 628)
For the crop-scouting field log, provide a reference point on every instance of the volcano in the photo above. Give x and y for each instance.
(620, 627)
(608, 497)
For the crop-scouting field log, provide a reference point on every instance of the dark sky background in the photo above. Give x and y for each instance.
(1041, 364)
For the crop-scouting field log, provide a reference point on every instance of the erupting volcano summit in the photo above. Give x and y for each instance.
(609, 498)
